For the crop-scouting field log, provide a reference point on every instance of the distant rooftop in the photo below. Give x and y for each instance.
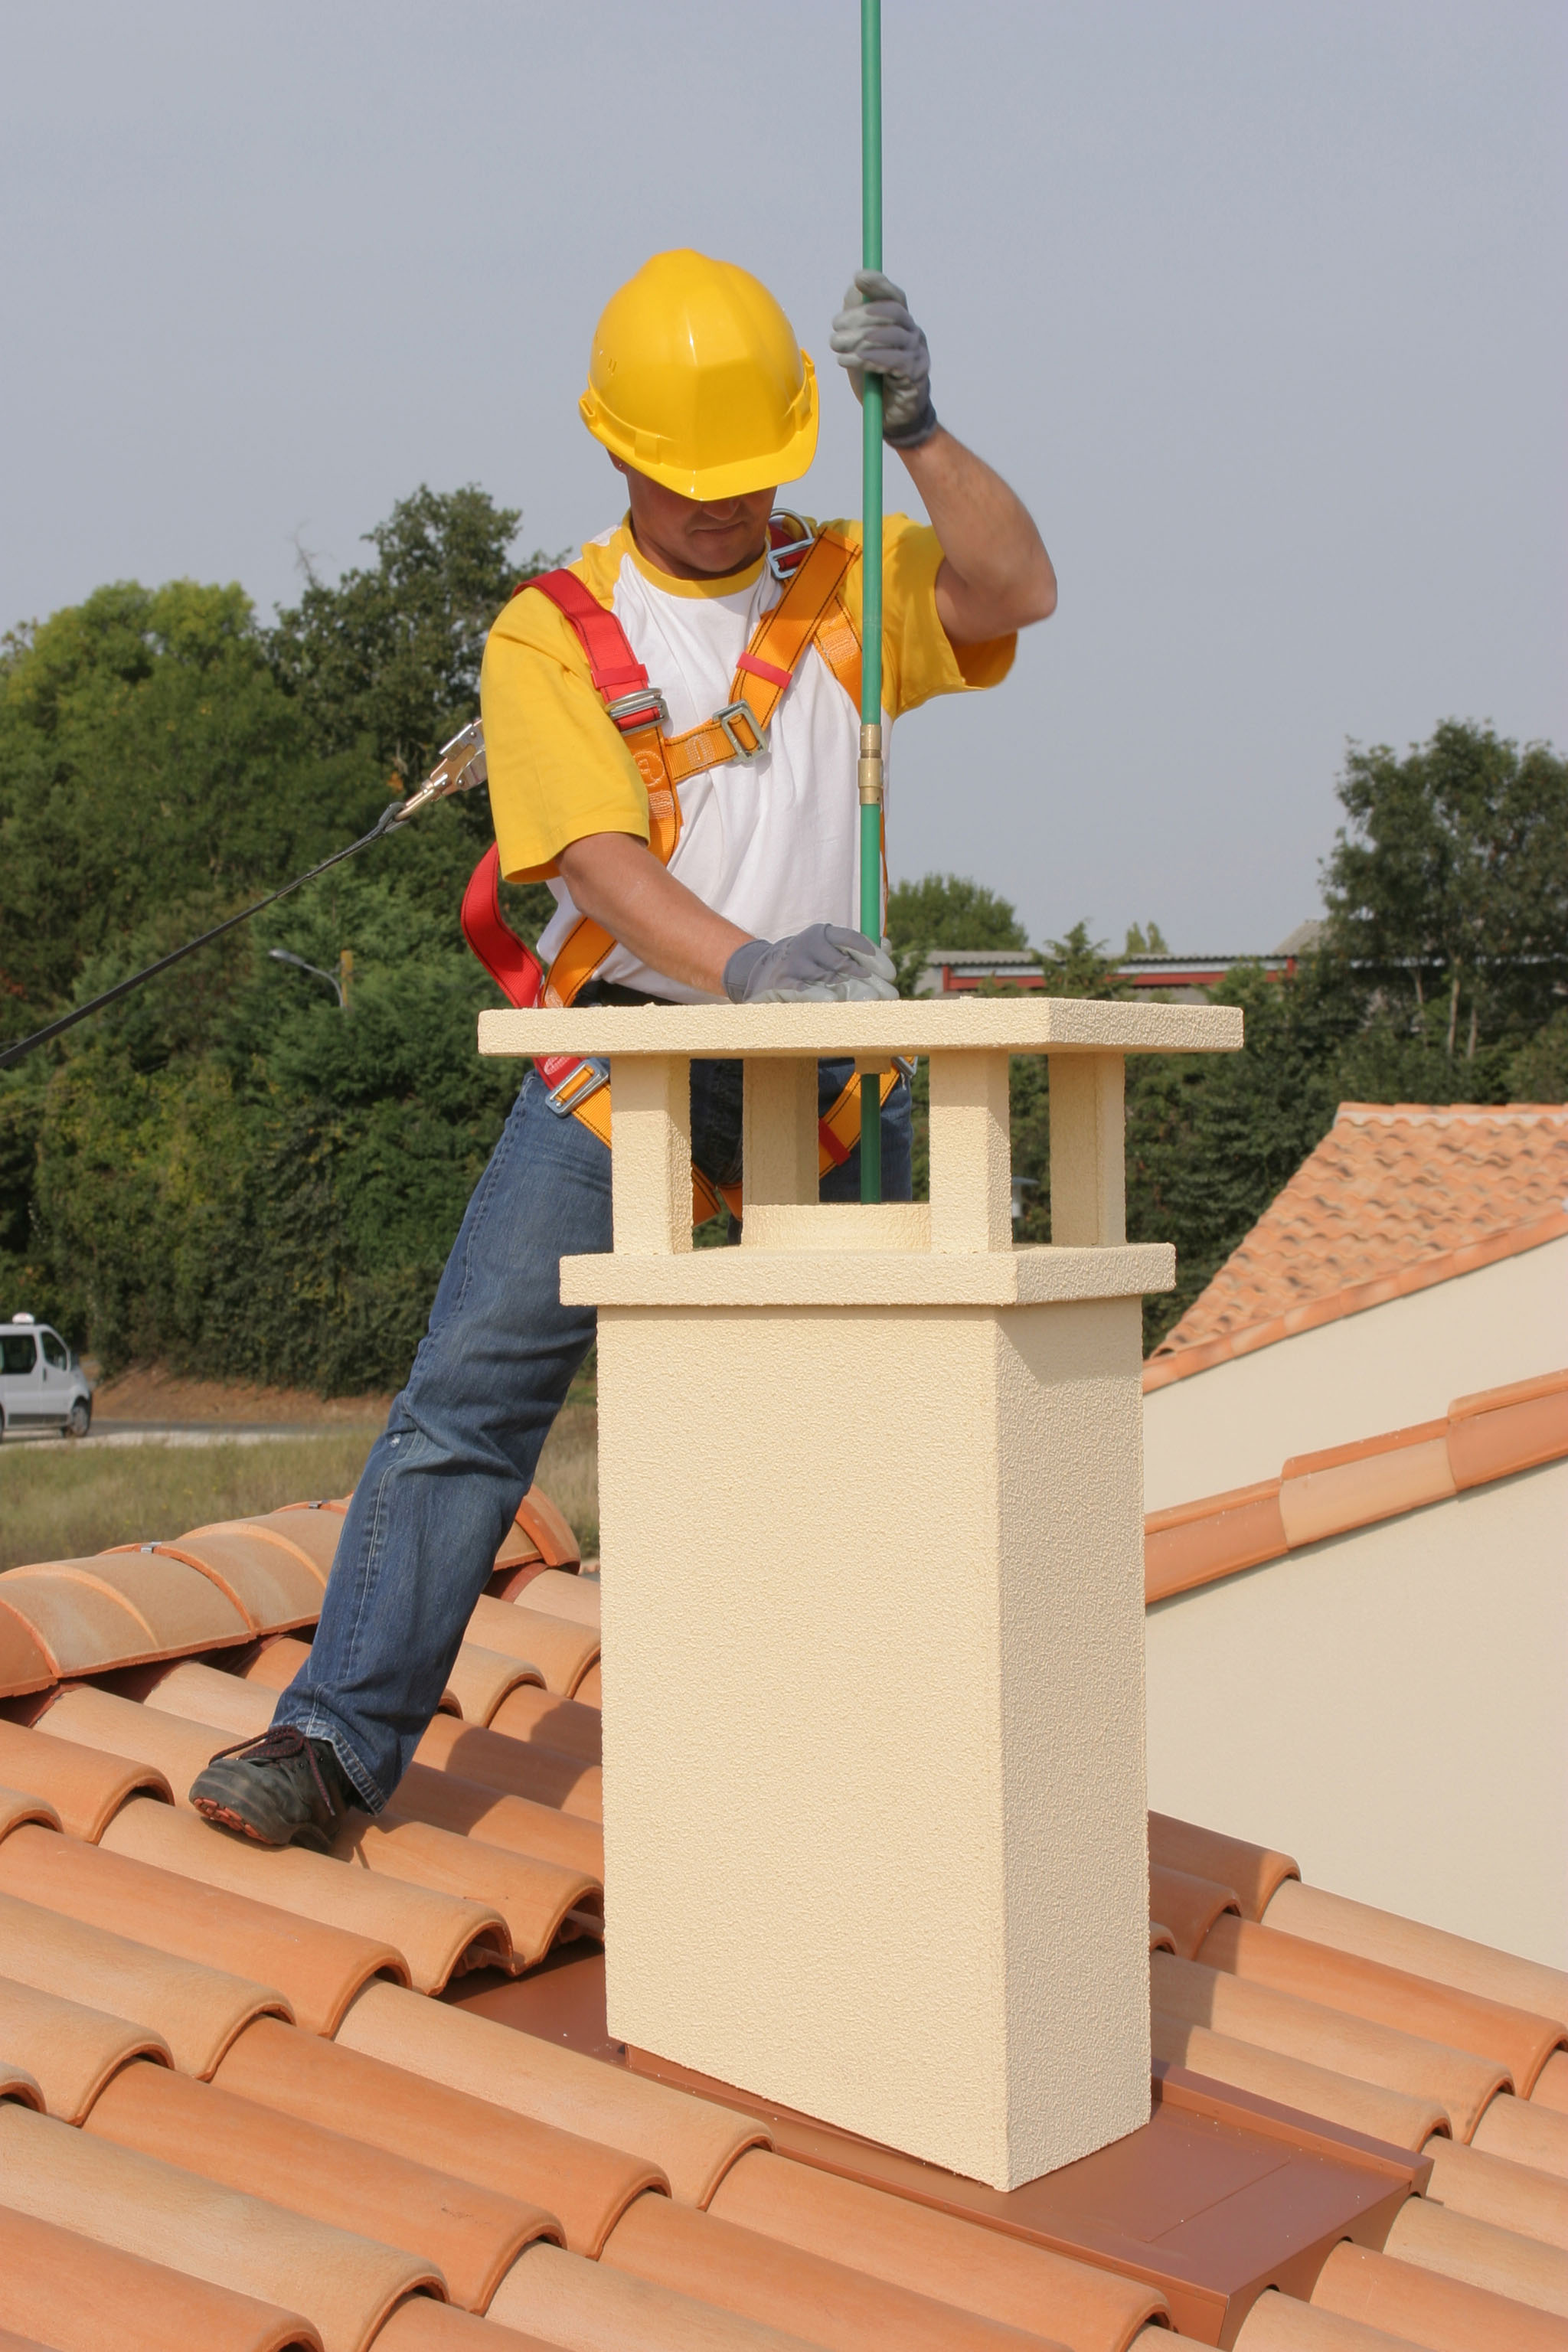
(954, 971)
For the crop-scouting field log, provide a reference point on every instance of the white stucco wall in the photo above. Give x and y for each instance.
(1389, 1366)
(1388, 1707)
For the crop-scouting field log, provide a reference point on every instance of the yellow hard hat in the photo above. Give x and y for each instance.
(696, 379)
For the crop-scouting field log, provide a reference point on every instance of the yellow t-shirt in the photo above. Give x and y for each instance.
(773, 845)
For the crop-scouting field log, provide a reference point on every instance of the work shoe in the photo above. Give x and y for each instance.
(281, 1790)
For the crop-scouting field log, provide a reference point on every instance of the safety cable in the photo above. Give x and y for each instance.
(460, 767)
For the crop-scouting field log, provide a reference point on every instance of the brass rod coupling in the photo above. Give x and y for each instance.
(869, 770)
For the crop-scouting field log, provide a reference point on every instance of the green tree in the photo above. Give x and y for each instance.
(1448, 886)
(946, 910)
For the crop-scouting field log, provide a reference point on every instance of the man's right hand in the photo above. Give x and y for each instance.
(826, 964)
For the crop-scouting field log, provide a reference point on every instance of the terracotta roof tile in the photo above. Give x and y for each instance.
(434, 1932)
(423, 2325)
(1525, 2134)
(1323, 2036)
(195, 2010)
(591, 1689)
(1435, 2238)
(1255, 1872)
(585, 2183)
(118, 1608)
(534, 1897)
(517, 1823)
(551, 1722)
(15, 1810)
(1552, 2085)
(345, 2283)
(272, 1583)
(317, 1968)
(1448, 2315)
(547, 1529)
(1496, 1434)
(843, 2309)
(575, 1597)
(70, 2051)
(1187, 1906)
(84, 2297)
(516, 1768)
(1492, 2189)
(84, 1787)
(16, 2082)
(1393, 1193)
(1425, 1951)
(1386, 1996)
(1277, 2323)
(693, 2144)
(934, 2253)
(25, 1663)
(590, 2304)
(470, 2236)
(1401, 2119)
(563, 1648)
(479, 1680)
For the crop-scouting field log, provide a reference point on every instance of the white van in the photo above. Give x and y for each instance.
(42, 1386)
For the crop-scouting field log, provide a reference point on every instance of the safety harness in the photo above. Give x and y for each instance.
(813, 611)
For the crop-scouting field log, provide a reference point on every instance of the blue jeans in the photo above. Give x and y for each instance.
(461, 1441)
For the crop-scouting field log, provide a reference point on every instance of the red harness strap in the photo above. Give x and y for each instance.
(510, 961)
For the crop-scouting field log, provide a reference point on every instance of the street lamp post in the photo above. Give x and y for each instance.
(286, 955)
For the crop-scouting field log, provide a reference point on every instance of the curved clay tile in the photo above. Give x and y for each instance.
(1388, 1996)
(1328, 1494)
(1552, 2084)
(515, 1767)
(310, 1531)
(271, 1582)
(25, 1664)
(1189, 1905)
(1195, 1543)
(16, 2082)
(1392, 2116)
(1256, 1872)
(573, 2302)
(587, 2186)
(119, 1608)
(435, 1934)
(518, 1550)
(85, 1787)
(556, 1594)
(551, 1722)
(450, 1803)
(83, 2296)
(1326, 2037)
(1525, 2133)
(1425, 1951)
(843, 2309)
(1507, 1430)
(561, 1648)
(15, 1810)
(197, 2011)
(1279, 2323)
(70, 2051)
(692, 2142)
(1420, 2307)
(345, 2283)
(197, 1693)
(479, 1679)
(936, 2254)
(1433, 2238)
(1491, 2189)
(534, 1897)
(318, 1970)
(1159, 1938)
(467, 2234)
(140, 1735)
(423, 2325)
(547, 1529)
(590, 1691)
(276, 1664)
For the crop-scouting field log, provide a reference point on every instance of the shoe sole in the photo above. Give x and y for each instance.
(223, 1817)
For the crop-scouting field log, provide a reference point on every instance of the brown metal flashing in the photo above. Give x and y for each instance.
(1220, 2196)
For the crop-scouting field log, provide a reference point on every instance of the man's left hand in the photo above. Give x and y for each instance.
(875, 331)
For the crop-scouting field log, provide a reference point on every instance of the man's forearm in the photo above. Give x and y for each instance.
(617, 881)
(996, 575)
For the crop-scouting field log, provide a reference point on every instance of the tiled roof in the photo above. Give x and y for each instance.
(252, 2100)
(1494, 1434)
(1396, 1197)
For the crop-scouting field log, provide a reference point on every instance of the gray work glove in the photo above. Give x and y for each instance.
(875, 331)
(824, 965)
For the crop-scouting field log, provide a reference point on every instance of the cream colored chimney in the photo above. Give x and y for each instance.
(871, 1514)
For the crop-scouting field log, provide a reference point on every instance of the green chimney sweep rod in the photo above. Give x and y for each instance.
(870, 769)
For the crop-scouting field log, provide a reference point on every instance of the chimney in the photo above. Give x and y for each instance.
(871, 1513)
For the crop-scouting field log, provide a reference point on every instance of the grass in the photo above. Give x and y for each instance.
(60, 1501)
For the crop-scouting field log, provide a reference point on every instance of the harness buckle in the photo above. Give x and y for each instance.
(784, 560)
(727, 718)
(583, 1079)
(646, 708)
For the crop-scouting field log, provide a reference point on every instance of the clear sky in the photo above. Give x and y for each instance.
(1260, 306)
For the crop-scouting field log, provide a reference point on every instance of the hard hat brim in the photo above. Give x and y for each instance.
(734, 480)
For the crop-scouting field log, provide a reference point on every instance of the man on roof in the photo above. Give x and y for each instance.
(672, 732)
